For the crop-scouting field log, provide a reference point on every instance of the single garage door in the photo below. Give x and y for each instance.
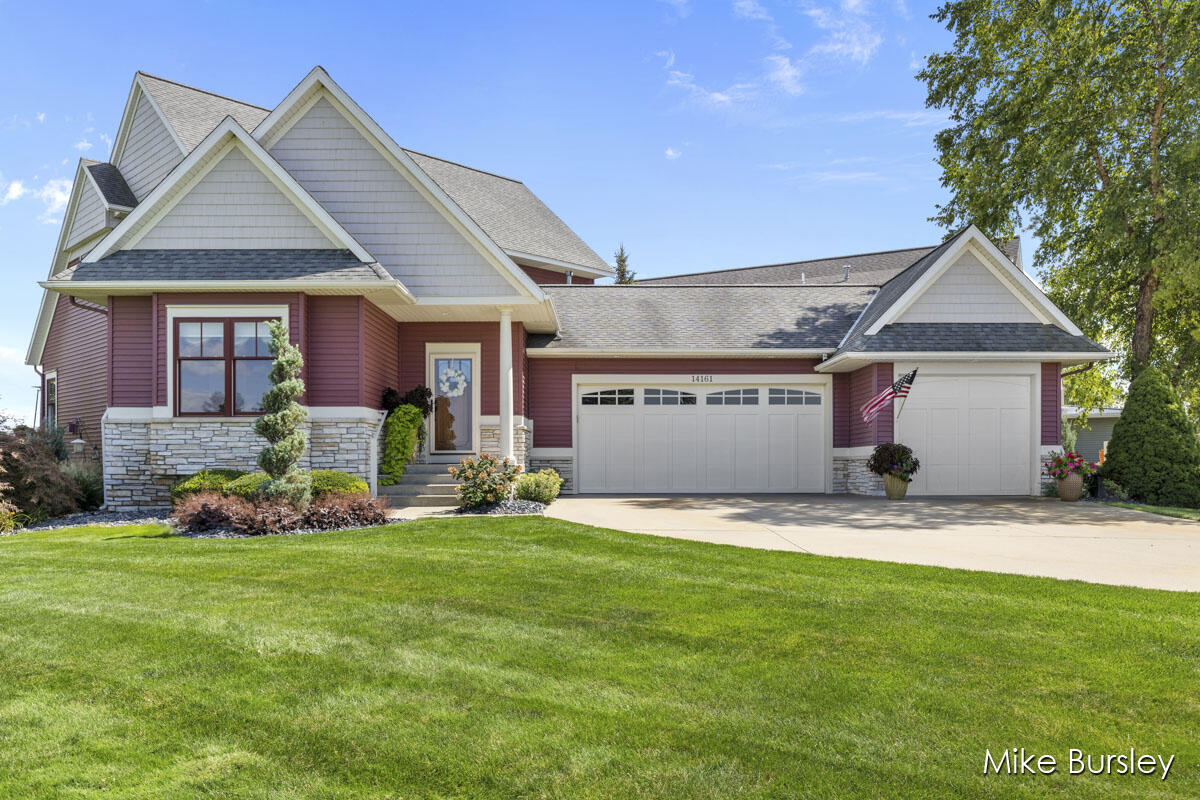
(664, 438)
(972, 434)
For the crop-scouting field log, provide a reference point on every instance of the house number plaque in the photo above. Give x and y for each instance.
(702, 379)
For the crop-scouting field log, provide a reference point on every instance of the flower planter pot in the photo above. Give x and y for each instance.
(895, 487)
(1070, 487)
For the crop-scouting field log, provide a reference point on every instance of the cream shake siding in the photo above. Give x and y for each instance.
(361, 189)
(90, 215)
(967, 292)
(234, 206)
(149, 152)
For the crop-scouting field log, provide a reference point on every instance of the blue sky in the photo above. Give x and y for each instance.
(700, 134)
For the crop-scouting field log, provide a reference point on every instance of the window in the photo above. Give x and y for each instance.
(668, 397)
(793, 397)
(733, 397)
(609, 397)
(218, 360)
(50, 418)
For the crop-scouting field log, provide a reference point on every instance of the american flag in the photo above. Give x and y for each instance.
(872, 407)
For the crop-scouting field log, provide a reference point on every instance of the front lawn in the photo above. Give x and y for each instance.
(1166, 511)
(519, 657)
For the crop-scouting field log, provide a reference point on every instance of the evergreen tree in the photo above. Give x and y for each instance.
(1154, 454)
(624, 274)
(281, 423)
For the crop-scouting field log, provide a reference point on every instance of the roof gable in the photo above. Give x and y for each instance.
(192, 171)
(447, 220)
(968, 291)
(146, 148)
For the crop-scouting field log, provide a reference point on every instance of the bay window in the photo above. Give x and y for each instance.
(221, 366)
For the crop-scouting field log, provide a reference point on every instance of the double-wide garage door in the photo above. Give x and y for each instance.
(664, 438)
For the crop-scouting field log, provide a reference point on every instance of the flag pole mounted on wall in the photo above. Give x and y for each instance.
(870, 409)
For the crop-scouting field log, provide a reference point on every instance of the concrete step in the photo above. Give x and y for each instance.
(427, 469)
(426, 480)
(419, 490)
(398, 501)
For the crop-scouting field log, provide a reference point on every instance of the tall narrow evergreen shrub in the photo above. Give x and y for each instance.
(1154, 454)
(282, 421)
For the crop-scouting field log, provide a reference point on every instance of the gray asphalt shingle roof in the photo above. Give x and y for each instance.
(222, 265)
(973, 337)
(194, 113)
(872, 269)
(509, 213)
(701, 317)
(112, 184)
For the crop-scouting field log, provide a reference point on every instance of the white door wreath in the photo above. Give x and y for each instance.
(452, 382)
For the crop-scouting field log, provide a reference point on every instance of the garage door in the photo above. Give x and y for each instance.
(972, 434)
(664, 438)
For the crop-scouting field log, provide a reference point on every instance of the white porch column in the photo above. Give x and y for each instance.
(506, 384)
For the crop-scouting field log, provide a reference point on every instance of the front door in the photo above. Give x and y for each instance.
(454, 427)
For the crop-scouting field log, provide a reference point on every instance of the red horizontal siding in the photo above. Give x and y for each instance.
(415, 335)
(864, 384)
(550, 401)
(1052, 404)
(294, 301)
(131, 364)
(381, 354)
(540, 275)
(77, 349)
(332, 351)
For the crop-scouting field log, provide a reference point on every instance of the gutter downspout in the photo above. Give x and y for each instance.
(374, 479)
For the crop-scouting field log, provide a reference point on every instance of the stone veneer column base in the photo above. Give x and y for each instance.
(143, 459)
(489, 440)
(563, 465)
(851, 476)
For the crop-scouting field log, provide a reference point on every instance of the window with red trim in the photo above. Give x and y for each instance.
(221, 366)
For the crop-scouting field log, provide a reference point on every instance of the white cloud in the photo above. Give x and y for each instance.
(915, 62)
(104, 137)
(668, 57)
(784, 75)
(846, 177)
(15, 191)
(909, 119)
(849, 34)
(681, 7)
(671, 153)
(708, 98)
(54, 194)
(41, 116)
(83, 145)
(750, 9)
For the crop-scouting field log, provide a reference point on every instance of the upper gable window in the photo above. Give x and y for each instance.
(609, 397)
(221, 366)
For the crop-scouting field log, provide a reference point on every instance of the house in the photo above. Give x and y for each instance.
(393, 268)
(1093, 440)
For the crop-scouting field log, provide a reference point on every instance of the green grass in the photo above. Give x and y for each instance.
(1166, 511)
(507, 658)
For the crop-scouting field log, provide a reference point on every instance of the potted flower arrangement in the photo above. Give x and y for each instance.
(1069, 469)
(897, 464)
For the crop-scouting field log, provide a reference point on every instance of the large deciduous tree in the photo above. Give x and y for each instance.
(1081, 121)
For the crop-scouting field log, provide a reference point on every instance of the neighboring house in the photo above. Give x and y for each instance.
(1093, 439)
(393, 268)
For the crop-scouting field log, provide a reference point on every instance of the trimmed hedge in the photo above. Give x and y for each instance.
(206, 480)
(541, 486)
(399, 440)
(249, 486)
(1154, 454)
(330, 482)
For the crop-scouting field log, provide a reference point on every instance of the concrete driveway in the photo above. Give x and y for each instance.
(1027, 536)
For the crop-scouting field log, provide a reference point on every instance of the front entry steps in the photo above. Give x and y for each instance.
(422, 485)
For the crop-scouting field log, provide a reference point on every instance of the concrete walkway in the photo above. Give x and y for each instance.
(1026, 536)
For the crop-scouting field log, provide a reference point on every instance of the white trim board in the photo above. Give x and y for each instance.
(731, 352)
(280, 120)
(963, 356)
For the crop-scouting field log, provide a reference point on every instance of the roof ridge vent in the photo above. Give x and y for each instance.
(846, 277)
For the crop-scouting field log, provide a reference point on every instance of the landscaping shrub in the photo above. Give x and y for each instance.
(391, 400)
(55, 438)
(89, 479)
(209, 511)
(206, 480)
(485, 480)
(248, 486)
(1153, 452)
(399, 441)
(1114, 490)
(332, 482)
(541, 486)
(10, 517)
(31, 478)
(421, 397)
(894, 459)
(281, 421)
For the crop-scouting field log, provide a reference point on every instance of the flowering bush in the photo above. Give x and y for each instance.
(540, 487)
(894, 459)
(485, 480)
(1069, 463)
